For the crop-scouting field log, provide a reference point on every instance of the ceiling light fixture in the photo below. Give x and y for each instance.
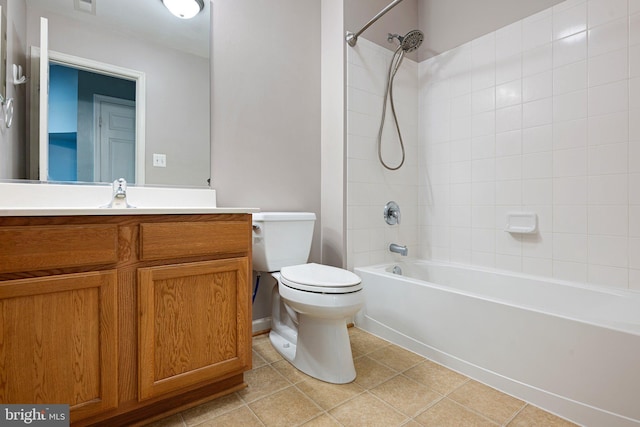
(184, 9)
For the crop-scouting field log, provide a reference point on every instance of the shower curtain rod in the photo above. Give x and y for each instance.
(352, 38)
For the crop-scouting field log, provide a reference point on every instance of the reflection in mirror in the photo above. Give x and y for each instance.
(85, 106)
(3, 55)
(85, 136)
(172, 53)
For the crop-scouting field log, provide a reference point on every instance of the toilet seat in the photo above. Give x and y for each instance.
(320, 278)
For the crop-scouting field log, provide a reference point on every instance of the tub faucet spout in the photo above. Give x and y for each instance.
(402, 250)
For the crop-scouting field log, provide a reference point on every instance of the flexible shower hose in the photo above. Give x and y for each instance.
(396, 60)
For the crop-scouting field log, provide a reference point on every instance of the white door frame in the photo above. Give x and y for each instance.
(113, 71)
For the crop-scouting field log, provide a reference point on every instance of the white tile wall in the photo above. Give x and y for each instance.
(542, 115)
(554, 107)
(369, 185)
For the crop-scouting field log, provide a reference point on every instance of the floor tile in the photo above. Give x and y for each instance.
(532, 416)
(488, 401)
(367, 410)
(406, 396)
(363, 342)
(328, 395)
(436, 377)
(323, 420)
(285, 408)
(257, 360)
(370, 373)
(263, 347)
(396, 357)
(288, 371)
(262, 382)
(447, 413)
(212, 409)
(238, 417)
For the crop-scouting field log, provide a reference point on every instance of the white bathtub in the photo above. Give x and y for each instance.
(571, 349)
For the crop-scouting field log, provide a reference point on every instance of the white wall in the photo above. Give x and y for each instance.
(448, 24)
(541, 116)
(333, 162)
(12, 140)
(399, 20)
(266, 110)
(445, 24)
(266, 105)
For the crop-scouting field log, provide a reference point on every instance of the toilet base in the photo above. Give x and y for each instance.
(326, 355)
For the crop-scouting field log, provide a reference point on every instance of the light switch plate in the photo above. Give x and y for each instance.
(160, 160)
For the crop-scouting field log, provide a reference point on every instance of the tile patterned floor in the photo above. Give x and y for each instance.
(394, 387)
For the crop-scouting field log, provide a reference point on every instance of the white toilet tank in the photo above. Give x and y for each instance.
(281, 239)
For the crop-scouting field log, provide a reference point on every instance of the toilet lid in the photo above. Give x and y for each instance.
(320, 278)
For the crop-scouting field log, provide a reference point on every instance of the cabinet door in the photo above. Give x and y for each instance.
(58, 341)
(194, 324)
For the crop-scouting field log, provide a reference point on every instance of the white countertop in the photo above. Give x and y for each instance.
(136, 211)
(57, 199)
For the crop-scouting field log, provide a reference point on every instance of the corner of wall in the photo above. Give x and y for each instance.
(332, 134)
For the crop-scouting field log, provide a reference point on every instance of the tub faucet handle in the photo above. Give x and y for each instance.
(392, 213)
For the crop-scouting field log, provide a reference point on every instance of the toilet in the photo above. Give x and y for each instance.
(311, 303)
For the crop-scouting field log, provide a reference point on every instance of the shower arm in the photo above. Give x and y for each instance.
(352, 38)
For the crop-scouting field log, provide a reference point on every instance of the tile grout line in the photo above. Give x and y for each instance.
(515, 414)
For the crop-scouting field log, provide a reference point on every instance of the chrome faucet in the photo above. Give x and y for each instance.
(119, 199)
(120, 189)
(391, 213)
(402, 250)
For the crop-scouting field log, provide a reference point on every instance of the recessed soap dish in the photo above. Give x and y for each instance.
(521, 222)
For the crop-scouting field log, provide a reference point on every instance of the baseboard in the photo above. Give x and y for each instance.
(260, 326)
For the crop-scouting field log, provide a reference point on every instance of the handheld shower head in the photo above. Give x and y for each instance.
(411, 41)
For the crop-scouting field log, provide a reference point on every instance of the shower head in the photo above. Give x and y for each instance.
(410, 42)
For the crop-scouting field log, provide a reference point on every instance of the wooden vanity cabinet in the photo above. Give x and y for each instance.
(125, 318)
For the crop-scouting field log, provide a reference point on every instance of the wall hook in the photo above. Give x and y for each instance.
(6, 108)
(18, 77)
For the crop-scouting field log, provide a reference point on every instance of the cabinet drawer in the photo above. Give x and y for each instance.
(33, 248)
(185, 239)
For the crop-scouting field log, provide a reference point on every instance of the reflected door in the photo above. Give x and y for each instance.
(116, 136)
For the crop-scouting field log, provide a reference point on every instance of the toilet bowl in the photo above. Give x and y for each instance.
(311, 303)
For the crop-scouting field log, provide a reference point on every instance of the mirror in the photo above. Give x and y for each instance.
(172, 54)
(3, 54)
